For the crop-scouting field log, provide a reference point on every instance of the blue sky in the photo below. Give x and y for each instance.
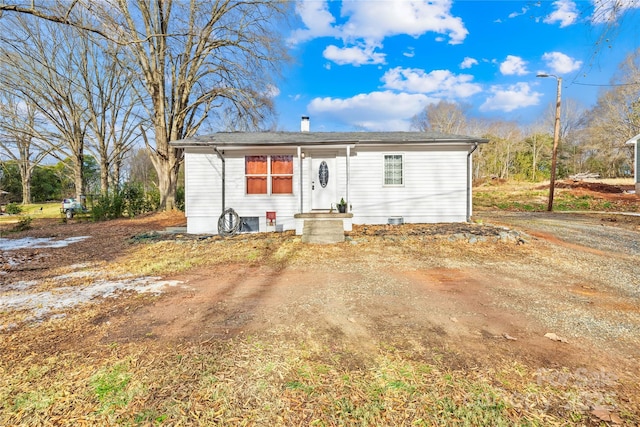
(374, 64)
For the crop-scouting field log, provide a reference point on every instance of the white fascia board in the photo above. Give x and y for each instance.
(634, 140)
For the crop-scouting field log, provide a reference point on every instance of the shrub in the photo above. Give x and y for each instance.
(131, 200)
(23, 224)
(138, 201)
(13, 209)
(110, 206)
(180, 198)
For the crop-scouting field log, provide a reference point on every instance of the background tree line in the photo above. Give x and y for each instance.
(115, 81)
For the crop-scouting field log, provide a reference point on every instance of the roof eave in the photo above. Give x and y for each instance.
(203, 142)
(634, 140)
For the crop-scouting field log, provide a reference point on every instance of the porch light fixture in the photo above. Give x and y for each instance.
(556, 138)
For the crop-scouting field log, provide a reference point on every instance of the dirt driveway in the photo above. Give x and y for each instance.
(574, 275)
(550, 291)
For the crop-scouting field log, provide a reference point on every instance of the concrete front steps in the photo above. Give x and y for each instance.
(325, 231)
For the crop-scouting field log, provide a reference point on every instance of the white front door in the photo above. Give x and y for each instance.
(324, 183)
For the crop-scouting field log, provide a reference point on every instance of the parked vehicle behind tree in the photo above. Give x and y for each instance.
(72, 206)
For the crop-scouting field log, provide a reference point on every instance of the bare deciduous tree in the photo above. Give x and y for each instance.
(40, 59)
(113, 122)
(498, 156)
(537, 145)
(615, 119)
(140, 170)
(56, 11)
(445, 116)
(194, 60)
(20, 139)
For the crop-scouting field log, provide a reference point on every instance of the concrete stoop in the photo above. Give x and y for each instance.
(323, 231)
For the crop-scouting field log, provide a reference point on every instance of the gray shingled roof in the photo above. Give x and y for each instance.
(240, 139)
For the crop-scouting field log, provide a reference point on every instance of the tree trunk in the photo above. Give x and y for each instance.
(25, 177)
(104, 177)
(165, 159)
(115, 177)
(534, 160)
(78, 173)
(167, 185)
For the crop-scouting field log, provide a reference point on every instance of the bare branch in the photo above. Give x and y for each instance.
(58, 19)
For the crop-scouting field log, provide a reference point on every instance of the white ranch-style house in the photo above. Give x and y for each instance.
(276, 180)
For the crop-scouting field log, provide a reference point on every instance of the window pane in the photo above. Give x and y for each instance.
(255, 165)
(282, 185)
(393, 169)
(256, 185)
(282, 165)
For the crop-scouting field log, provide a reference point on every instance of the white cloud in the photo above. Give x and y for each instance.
(376, 111)
(272, 91)
(510, 98)
(513, 65)
(379, 19)
(561, 63)
(468, 62)
(565, 13)
(366, 24)
(608, 11)
(317, 19)
(441, 83)
(516, 14)
(356, 55)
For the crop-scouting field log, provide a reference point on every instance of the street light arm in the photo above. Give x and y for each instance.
(548, 75)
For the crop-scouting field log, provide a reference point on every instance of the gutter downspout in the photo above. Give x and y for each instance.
(223, 175)
(348, 165)
(470, 181)
(636, 166)
(300, 160)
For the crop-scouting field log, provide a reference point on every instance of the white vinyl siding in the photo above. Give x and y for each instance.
(203, 177)
(393, 170)
(203, 181)
(434, 190)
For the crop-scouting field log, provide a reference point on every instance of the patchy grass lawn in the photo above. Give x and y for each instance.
(253, 381)
(568, 196)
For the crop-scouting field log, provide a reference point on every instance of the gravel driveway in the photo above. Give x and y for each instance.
(590, 287)
(594, 231)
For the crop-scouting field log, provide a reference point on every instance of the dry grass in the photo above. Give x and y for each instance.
(285, 377)
(72, 371)
(256, 382)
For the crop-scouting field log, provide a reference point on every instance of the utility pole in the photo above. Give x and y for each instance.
(556, 139)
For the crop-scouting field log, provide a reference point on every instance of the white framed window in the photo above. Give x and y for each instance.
(269, 174)
(393, 170)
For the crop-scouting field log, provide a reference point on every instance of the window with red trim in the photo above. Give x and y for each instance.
(269, 174)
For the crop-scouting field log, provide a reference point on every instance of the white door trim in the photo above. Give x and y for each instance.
(323, 198)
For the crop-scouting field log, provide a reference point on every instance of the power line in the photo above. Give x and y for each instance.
(606, 85)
